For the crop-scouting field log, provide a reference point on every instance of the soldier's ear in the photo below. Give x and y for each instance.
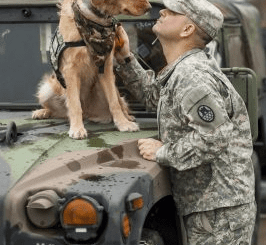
(188, 30)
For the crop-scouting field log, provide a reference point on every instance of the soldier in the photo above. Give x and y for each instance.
(204, 129)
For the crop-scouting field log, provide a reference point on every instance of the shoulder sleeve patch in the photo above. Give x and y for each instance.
(191, 98)
(204, 112)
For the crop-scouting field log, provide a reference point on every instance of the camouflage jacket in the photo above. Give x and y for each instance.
(205, 130)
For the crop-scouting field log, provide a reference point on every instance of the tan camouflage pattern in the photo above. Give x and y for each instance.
(210, 161)
(208, 17)
(99, 39)
(224, 226)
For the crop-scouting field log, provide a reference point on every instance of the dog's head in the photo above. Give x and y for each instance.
(116, 7)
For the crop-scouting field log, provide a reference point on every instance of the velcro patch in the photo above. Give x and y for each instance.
(203, 110)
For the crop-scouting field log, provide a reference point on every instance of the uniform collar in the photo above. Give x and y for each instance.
(167, 71)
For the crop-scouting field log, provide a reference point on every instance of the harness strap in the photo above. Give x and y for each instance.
(99, 40)
(75, 44)
(67, 45)
(59, 75)
(97, 12)
(57, 47)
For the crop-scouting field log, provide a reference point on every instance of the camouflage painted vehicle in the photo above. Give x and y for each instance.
(60, 191)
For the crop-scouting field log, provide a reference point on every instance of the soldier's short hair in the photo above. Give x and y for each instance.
(203, 36)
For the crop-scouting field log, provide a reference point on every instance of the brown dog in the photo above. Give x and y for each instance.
(87, 88)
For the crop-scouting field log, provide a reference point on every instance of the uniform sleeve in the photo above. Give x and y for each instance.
(140, 83)
(209, 131)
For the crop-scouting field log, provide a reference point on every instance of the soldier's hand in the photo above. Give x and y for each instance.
(122, 49)
(148, 148)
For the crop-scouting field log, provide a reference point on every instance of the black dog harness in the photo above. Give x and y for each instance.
(99, 40)
(56, 49)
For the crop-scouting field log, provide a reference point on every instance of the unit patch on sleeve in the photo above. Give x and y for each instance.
(206, 113)
(203, 110)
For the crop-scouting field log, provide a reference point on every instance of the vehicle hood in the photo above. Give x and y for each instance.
(45, 139)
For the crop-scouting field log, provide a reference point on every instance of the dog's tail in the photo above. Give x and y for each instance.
(48, 88)
(51, 96)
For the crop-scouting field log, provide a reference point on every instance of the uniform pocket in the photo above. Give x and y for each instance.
(193, 97)
(241, 216)
(200, 222)
(206, 223)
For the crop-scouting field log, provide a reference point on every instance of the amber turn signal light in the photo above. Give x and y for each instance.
(80, 212)
(126, 227)
(134, 202)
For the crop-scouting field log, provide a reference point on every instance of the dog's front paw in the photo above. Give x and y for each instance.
(131, 118)
(41, 114)
(78, 134)
(127, 126)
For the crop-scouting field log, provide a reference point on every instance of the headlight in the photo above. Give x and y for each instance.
(81, 217)
(42, 209)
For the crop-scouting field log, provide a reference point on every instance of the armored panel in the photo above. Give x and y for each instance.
(245, 82)
(25, 34)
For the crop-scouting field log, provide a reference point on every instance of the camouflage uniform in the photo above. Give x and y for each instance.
(204, 126)
(211, 227)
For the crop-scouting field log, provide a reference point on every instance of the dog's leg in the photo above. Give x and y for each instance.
(41, 114)
(107, 81)
(124, 107)
(77, 130)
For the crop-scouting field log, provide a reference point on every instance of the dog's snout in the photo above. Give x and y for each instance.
(135, 7)
(148, 8)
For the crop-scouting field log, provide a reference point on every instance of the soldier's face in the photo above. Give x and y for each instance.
(170, 24)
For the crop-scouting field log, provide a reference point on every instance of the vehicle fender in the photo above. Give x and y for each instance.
(5, 182)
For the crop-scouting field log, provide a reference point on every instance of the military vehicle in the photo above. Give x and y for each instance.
(261, 6)
(60, 191)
